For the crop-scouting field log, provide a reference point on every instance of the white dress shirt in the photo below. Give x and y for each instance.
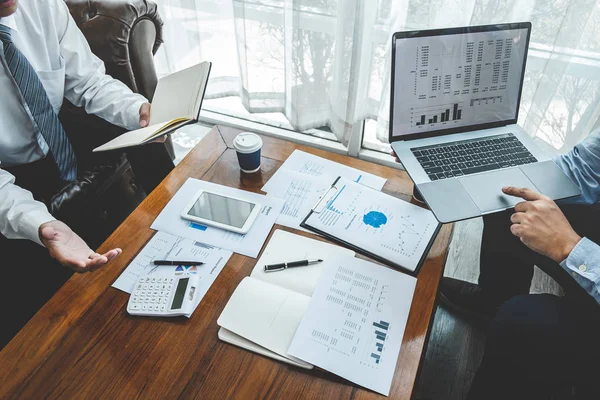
(47, 35)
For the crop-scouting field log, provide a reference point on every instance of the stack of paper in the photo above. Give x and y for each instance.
(303, 178)
(345, 315)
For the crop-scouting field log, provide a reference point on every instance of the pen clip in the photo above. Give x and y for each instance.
(324, 199)
(274, 268)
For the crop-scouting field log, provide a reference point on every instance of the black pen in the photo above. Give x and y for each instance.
(168, 262)
(282, 266)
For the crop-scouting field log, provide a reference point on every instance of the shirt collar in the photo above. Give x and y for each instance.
(10, 22)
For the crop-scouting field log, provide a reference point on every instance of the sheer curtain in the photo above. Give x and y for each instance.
(325, 63)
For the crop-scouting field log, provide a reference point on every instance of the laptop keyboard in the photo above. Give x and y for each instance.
(467, 157)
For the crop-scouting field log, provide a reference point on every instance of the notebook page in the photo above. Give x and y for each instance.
(264, 314)
(285, 247)
(176, 94)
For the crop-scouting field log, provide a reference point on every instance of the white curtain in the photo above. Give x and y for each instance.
(325, 63)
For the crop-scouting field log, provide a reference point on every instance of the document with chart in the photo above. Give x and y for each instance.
(299, 191)
(373, 223)
(355, 321)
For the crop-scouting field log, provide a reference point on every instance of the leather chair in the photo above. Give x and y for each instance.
(125, 34)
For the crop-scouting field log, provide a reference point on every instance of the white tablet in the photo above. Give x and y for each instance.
(221, 211)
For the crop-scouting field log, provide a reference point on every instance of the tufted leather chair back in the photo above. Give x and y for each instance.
(125, 35)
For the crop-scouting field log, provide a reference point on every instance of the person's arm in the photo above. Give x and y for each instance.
(583, 263)
(582, 165)
(86, 82)
(22, 217)
(541, 226)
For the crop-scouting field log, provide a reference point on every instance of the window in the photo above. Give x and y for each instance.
(321, 67)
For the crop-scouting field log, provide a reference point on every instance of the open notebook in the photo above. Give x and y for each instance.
(177, 102)
(265, 310)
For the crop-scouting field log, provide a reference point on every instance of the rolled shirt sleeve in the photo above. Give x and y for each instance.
(86, 82)
(583, 264)
(20, 215)
(582, 165)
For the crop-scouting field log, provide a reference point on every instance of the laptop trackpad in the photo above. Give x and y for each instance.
(486, 189)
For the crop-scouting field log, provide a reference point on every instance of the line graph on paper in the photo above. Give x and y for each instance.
(408, 238)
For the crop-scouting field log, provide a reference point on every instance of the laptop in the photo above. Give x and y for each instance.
(455, 96)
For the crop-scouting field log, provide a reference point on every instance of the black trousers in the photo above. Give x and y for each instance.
(537, 345)
(30, 275)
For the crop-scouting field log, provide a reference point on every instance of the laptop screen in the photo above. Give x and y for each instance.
(455, 80)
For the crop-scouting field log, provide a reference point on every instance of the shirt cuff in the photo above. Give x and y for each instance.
(132, 115)
(583, 259)
(30, 226)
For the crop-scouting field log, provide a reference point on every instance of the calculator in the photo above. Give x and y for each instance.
(163, 295)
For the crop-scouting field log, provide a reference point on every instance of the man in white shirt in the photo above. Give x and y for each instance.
(43, 58)
(47, 36)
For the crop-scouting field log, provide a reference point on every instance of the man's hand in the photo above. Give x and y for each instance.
(144, 115)
(541, 225)
(145, 119)
(70, 250)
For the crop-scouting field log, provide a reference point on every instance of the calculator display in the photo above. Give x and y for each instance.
(179, 293)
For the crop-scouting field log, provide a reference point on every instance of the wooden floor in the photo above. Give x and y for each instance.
(456, 343)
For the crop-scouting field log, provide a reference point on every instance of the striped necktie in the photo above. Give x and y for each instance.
(39, 106)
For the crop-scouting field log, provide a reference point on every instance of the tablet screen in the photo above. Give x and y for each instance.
(221, 209)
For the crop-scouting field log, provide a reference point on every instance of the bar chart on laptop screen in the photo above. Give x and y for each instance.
(457, 80)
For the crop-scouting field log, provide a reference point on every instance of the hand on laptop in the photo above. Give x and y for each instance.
(541, 225)
(393, 154)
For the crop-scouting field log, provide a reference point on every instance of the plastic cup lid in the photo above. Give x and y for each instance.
(247, 142)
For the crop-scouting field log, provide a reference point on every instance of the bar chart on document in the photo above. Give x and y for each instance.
(457, 80)
(400, 229)
(362, 303)
(355, 322)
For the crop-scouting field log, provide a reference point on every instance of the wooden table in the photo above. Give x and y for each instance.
(83, 344)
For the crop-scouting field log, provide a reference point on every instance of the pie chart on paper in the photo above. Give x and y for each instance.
(376, 219)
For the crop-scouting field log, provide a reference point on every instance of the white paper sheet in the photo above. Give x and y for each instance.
(169, 220)
(376, 222)
(309, 164)
(285, 247)
(299, 191)
(164, 246)
(355, 322)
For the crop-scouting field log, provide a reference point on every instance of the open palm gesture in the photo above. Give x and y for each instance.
(70, 250)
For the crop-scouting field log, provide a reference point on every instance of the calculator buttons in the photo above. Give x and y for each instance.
(162, 308)
(144, 307)
(153, 280)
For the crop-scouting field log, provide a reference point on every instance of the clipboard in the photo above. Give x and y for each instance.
(327, 200)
